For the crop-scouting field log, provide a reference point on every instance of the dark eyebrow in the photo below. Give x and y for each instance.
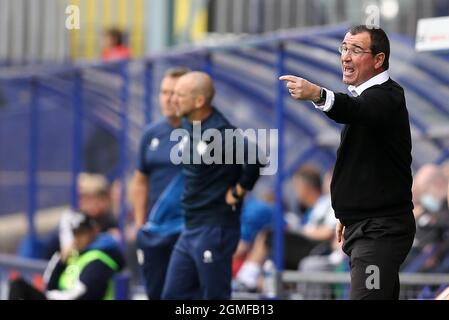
(357, 46)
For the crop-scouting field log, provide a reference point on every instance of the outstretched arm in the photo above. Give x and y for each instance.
(301, 89)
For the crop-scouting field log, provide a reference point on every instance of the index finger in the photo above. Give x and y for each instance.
(288, 78)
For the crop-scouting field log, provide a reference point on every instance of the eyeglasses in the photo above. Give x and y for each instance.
(355, 51)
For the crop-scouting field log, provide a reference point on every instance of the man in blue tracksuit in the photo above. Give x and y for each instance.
(200, 265)
(156, 192)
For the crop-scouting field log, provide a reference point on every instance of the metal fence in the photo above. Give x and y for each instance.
(295, 285)
(28, 269)
(325, 285)
(331, 285)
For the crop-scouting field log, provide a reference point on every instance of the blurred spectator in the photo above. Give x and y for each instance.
(114, 47)
(428, 179)
(256, 216)
(315, 229)
(310, 234)
(86, 273)
(432, 219)
(335, 261)
(94, 200)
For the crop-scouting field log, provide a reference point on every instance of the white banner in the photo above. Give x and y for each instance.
(432, 34)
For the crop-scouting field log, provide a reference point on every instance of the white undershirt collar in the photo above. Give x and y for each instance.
(376, 80)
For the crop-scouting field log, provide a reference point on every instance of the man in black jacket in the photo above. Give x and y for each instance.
(372, 180)
(214, 185)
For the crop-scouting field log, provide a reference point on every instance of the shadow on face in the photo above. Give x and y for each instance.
(166, 93)
(83, 237)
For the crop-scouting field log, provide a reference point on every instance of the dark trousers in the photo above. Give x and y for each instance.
(376, 248)
(201, 264)
(156, 256)
(21, 290)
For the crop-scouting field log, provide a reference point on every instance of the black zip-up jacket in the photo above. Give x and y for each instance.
(372, 176)
(205, 185)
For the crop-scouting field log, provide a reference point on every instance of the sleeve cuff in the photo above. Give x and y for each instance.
(330, 99)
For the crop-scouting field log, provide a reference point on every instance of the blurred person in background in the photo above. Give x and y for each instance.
(432, 220)
(85, 273)
(310, 234)
(156, 191)
(94, 199)
(257, 215)
(335, 261)
(315, 229)
(114, 48)
(429, 189)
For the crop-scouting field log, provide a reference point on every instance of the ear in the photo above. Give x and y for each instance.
(200, 100)
(379, 60)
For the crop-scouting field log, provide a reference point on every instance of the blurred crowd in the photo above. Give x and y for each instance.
(309, 234)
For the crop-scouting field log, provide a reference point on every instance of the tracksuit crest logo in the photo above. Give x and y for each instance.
(207, 256)
(154, 144)
(201, 147)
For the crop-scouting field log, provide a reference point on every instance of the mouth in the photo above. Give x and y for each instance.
(171, 107)
(348, 71)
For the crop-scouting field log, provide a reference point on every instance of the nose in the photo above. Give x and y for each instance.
(173, 99)
(346, 57)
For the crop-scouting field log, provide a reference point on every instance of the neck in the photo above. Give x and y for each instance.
(175, 122)
(200, 114)
(376, 73)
